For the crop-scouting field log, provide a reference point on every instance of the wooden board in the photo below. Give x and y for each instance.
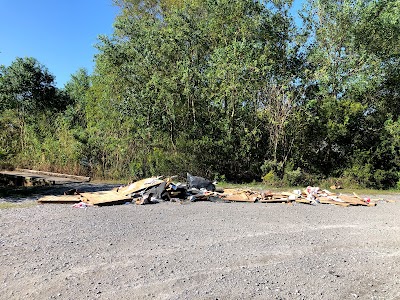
(255, 197)
(326, 200)
(29, 178)
(305, 201)
(52, 174)
(60, 199)
(105, 197)
(140, 185)
(238, 197)
(352, 200)
(275, 200)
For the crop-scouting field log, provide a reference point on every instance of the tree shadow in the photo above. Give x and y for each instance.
(21, 194)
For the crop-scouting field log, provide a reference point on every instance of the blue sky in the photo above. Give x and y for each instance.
(60, 34)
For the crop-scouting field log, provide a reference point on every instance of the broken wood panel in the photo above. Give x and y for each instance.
(60, 199)
(140, 185)
(275, 200)
(13, 178)
(289, 194)
(52, 174)
(254, 197)
(305, 201)
(352, 200)
(326, 200)
(21, 178)
(239, 197)
(104, 197)
(280, 196)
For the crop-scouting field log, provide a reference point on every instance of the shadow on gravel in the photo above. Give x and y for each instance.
(21, 194)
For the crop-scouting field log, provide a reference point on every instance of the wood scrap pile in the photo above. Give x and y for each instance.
(314, 196)
(155, 189)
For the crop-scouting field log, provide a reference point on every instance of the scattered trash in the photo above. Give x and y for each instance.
(199, 183)
(155, 189)
(336, 187)
(71, 192)
(80, 205)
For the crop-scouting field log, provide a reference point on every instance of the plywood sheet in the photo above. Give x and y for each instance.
(60, 199)
(140, 185)
(305, 201)
(104, 197)
(275, 200)
(352, 200)
(237, 196)
(326, 200)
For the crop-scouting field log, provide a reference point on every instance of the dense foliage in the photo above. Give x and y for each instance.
(227, 89)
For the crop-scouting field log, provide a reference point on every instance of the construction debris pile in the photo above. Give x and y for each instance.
(154, 190)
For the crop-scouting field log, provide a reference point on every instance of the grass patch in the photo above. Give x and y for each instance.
(105, 181)
(259, 186)
(7, 205)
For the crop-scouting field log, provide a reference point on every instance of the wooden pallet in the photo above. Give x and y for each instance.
(238, 196)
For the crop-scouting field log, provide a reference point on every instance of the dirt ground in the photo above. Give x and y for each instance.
(200, 250)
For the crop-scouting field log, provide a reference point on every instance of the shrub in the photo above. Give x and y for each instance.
(269, 178)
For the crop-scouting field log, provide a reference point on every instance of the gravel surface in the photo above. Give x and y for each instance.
(200, 250)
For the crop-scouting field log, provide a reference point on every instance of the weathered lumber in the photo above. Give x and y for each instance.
(139, 185)
(326, 200)
(275, 200)
(13, 178)
(238, 196)
(22, 177)
(104, 197)
(353, 200)
(242, 197)
(305, 201)
(76, 177)
(60, 199)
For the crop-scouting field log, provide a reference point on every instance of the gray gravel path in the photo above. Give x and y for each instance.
(200, 250)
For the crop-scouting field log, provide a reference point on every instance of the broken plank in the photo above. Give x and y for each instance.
(105, 197)
(239, 197)
(140, 185)
(326, 200)
(305, 201)
(352, 200)
(52, 174)
(275, 200)
(60, 199)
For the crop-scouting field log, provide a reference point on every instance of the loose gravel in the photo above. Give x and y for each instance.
(200, 250)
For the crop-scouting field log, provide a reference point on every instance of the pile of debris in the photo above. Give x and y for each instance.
(155, 189)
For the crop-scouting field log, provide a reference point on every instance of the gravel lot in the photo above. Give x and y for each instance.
(200, 250)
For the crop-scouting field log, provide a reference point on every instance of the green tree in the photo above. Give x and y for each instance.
(350, 86)
(76, 89)
(27, 87)
(184, 81)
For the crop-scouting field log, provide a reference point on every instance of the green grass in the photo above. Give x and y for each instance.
(259, 186)
(109, 181)
(7, 205)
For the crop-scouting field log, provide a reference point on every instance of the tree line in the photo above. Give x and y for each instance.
(228, 89)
